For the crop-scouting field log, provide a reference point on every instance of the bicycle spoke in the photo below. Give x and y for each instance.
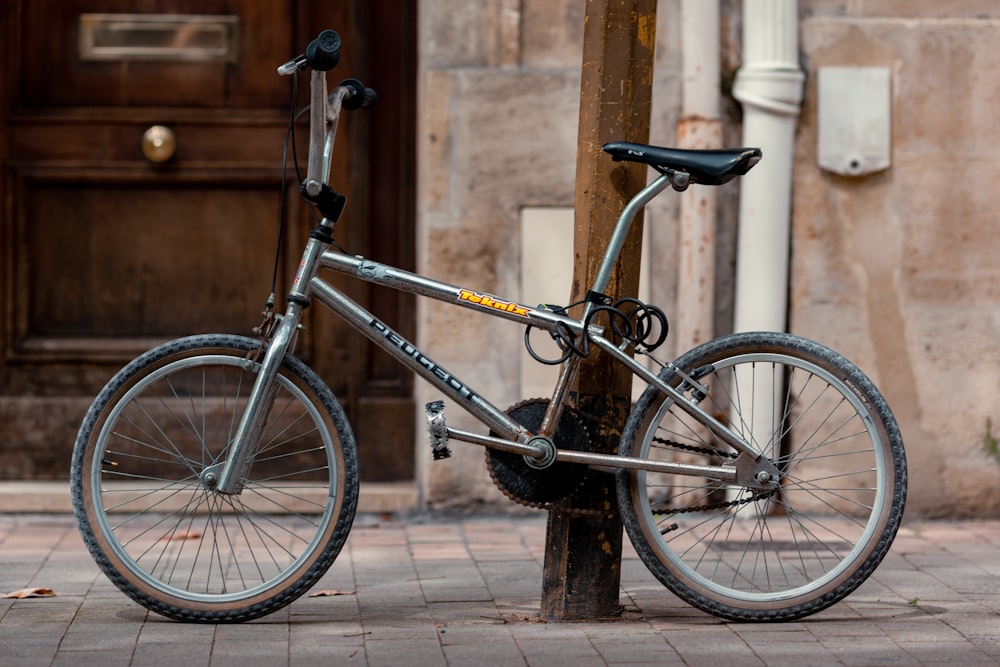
(752, 552)
(171, 538)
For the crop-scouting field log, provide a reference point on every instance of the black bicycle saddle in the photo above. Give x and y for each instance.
(708, 167)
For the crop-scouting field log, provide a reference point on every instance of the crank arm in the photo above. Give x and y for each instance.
(528, 450)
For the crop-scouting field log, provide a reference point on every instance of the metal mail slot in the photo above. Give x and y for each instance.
(160, 37)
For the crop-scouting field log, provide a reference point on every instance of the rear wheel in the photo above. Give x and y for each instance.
(144, 498)
(749, 555)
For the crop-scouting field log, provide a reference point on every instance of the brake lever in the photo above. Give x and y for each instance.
(293, 65)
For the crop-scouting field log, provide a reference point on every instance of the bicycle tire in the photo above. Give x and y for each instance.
(775, 556)
(161, 534)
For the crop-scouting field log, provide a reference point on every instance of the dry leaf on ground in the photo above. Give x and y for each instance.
(30, 593)
(329, 591)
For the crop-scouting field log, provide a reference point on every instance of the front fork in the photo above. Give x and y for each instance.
(227, 477)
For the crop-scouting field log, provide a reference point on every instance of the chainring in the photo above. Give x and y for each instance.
(531, 486)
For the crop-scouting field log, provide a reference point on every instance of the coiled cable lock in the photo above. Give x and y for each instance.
(641, 325)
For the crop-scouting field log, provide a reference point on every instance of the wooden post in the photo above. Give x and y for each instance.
(582, 570)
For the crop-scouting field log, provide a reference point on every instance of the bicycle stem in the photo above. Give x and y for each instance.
(324, 115)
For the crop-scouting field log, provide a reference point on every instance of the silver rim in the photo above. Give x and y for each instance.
(176, 535)
(833, 502)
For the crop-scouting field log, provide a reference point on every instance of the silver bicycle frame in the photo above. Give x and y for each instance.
(411, 356)
(514, 437)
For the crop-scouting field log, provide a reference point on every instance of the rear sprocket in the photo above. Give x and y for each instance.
(532, 486)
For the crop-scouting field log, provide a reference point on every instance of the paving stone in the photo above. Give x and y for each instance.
(466, 591)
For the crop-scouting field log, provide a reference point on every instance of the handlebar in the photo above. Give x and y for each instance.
(322, 55)
(358, 96)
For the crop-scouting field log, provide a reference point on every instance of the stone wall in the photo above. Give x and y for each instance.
(897, 270)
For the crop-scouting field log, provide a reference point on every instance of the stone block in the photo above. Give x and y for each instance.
(898, 270)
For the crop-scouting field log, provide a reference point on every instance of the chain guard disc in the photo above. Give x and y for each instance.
(531, 486)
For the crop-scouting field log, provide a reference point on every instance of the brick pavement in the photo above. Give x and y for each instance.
(465, 591)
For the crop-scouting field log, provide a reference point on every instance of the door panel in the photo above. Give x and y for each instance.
(106, 253)
(51, 33)
(131, 286)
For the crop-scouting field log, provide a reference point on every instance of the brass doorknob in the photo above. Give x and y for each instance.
(158, 143)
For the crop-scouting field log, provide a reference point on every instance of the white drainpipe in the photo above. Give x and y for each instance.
(699, 127)
(770, 87)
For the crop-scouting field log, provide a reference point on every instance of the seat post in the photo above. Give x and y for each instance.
(612, 252)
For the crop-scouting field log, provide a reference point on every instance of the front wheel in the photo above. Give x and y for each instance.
(143, 491)
(748, 555)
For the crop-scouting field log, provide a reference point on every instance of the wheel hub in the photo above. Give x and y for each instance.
(209, 477)
(548, 456)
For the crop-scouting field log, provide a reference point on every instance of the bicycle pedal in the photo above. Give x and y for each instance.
(438, 430)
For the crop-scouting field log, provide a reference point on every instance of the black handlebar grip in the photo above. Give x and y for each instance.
(361, 97)
(323, 53)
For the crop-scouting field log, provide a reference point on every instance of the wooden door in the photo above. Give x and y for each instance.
(106, 252)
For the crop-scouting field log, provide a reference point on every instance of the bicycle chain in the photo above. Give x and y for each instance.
(717, 506)
(713, 506)
(697, 450)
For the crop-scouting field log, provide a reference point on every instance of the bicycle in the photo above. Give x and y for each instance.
(760, 476)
